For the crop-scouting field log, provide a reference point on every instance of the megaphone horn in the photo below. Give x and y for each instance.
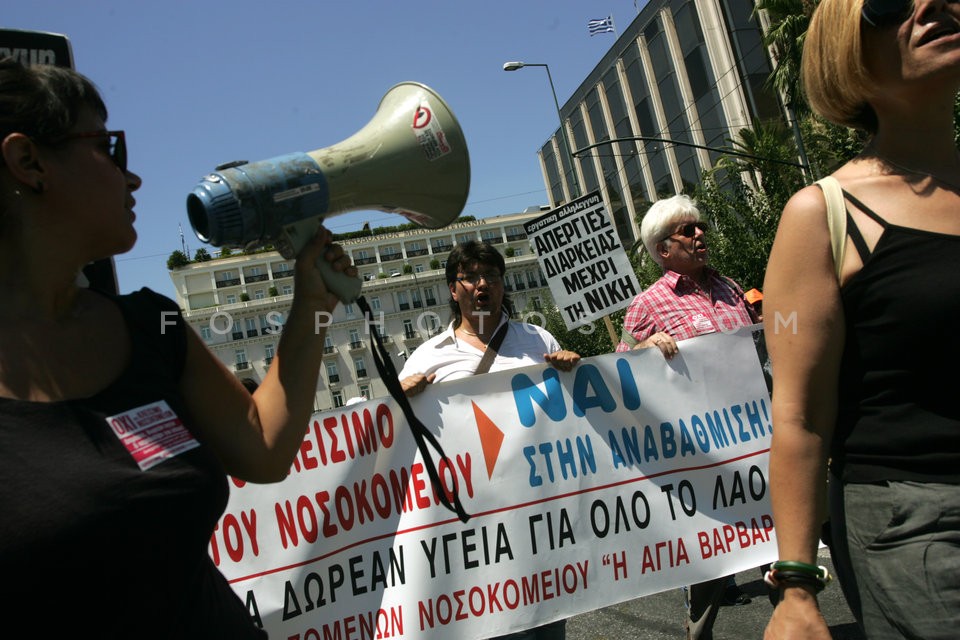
(411, 159)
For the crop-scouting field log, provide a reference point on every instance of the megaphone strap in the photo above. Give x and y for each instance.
(422, 435)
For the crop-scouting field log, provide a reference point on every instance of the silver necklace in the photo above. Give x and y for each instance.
(916, 172)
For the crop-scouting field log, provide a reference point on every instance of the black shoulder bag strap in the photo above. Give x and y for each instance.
(491, 351)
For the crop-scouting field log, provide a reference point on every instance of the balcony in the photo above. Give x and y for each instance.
(417, 304)
(410, 335)
(362, 261)
(252, 333)
(497, 240)
(237, 335)
(362, 373)
(286, 273)
(393, 255)
(413, 253)
(328, 349)
(516, 236)
(232, 282)
(356, 344)
(258, 278)
(404, 306)
(268, 360)
(431, 302)
(334, 379)
(242, 365)
(442, 247)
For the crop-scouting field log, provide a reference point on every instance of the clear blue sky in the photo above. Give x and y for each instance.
(197, 84)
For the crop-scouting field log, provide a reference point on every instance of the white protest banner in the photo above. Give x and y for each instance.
(580, 252)
(627, 476)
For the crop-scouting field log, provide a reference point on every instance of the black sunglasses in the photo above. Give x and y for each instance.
(117, 140)
(689, 230)
(886, 13)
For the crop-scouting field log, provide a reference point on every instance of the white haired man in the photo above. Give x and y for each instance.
(689, 300)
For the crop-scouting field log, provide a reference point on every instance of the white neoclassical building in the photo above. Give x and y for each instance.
(238, 303)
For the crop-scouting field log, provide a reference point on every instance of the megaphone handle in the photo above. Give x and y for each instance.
(293, 237)
(345, 287)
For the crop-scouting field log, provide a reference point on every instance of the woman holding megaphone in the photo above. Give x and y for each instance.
(118, 427)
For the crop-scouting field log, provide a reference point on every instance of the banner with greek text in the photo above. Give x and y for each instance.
(587, 267)
(627, 476)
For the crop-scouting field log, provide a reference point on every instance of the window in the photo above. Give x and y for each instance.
(491, 236)
(231, 298)
(269, 351)
(465, 237)
(418, 268)
(402, 301)
(259, 294)
(375, 303)
(240, 357)
(360, 367)
(355, 339)
(430, 296)
(365, 391)
(328, 344)
(286, 290)
(337, 397)
(415, 297)
(408, 331)
(206, 333)
(333, 375)
(348, 309)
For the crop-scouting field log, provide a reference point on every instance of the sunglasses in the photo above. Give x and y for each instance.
(116, 139)
(886, 13)
(689, 230)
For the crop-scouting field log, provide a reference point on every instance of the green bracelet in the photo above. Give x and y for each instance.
(819, 572)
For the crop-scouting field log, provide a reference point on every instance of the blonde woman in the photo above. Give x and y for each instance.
(864, 350)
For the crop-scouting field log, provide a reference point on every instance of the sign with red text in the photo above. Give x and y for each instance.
(627, 476)
(587, 267)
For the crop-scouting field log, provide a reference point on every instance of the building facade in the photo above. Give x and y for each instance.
(685, 76)
(238, 304)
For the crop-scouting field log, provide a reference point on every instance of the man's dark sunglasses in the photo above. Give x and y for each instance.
(118, 144)
(886, 13)
(689, 230)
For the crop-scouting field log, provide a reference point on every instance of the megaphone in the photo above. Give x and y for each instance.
(410, 159)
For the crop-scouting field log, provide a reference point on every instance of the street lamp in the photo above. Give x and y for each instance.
(567, 151)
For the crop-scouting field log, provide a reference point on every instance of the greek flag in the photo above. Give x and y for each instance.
(600, 25)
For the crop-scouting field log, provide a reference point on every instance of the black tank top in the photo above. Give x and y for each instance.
(899, 402)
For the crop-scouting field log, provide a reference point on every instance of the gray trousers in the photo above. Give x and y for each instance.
(897, 554)
(550, 631)
(703, 602)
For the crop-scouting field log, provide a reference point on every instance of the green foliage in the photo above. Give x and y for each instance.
(273, 292)
(407, 268)
(435, 264)
(201, 255)
(226, 252)
(589, 340)
(176, 260)
(244, 297)
(509, 252)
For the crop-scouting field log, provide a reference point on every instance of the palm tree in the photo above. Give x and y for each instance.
(789, 20)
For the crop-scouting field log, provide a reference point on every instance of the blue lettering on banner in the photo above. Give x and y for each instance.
(590, 390)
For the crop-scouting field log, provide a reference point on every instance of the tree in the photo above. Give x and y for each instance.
(177, 260)
(434, 264)
(589, 340)
(272, 291)
(201, 255)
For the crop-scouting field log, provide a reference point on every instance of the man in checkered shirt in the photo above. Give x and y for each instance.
(689, 300)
